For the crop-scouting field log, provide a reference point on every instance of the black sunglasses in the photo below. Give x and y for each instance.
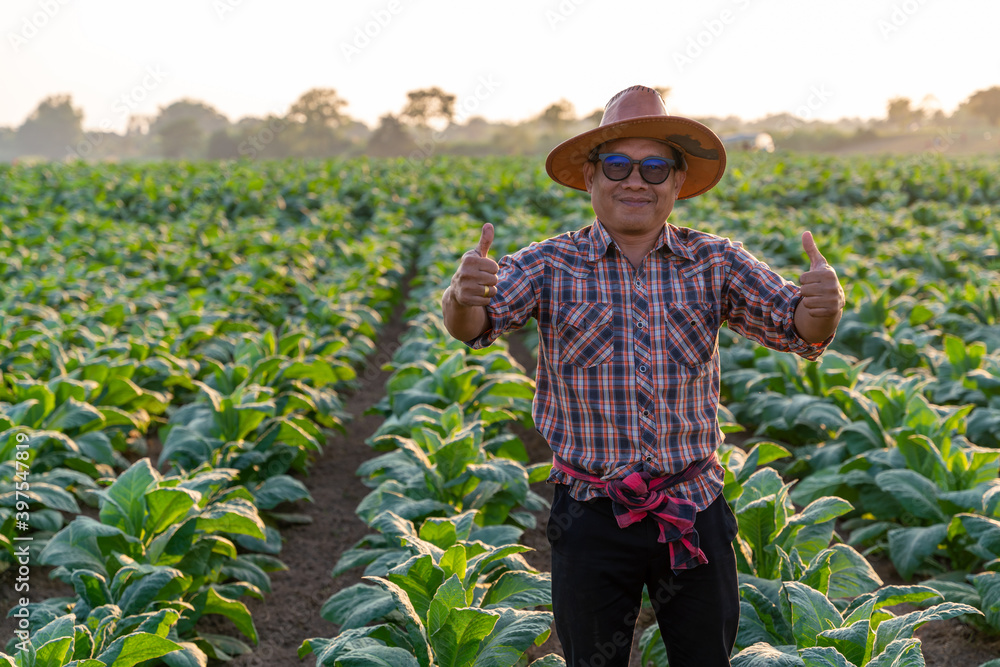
(617, 167)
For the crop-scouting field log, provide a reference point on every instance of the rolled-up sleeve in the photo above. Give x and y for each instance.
(516, 300)
(761, 305)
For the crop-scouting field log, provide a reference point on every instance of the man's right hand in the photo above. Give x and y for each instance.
(471, 289)
(474, 282)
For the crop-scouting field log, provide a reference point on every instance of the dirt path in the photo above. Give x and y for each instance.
(290, 613)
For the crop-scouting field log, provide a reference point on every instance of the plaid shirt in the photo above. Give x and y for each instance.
(628, 359)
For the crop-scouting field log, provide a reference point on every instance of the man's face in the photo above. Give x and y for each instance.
(632, 206)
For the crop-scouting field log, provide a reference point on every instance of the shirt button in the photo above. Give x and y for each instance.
(649, 459)
(638, 325)
(645, 413)
(642, 369)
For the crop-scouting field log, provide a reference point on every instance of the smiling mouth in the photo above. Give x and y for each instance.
(634, 202)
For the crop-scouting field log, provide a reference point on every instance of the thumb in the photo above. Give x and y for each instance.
(485, 240)
(816, 259)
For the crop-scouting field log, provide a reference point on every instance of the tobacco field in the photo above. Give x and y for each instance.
(178, 343)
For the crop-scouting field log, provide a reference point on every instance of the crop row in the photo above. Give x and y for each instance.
(224, 343)
(211, 316)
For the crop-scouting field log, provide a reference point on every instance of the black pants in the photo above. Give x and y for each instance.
(598, 571)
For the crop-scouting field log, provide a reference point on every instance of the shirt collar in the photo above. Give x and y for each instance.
(669, 241)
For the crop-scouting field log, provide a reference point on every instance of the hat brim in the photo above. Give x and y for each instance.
(702, 148)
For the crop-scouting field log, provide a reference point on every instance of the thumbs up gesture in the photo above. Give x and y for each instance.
(474, 283)
(822, 304)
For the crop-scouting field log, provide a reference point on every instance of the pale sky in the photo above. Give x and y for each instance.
(502, 60)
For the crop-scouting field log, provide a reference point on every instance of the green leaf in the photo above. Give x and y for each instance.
(125, 505)
(513, 634)
(72, 414)
(985, 532)
(821, 510)
(914, 491)
(135, 648)
(420, 577)
(767, 612)
(450, 595)
(454, 561)
(456, 643)
(900, 653)
(902, 627)
(757, 527)
(141, 590)
(209, 601)
(91, 587)
(376, 656)
(823, 657)
(519, 590)
(279, 489)
(412, 626)
(59, 628)
(909, 548)
(236, 516)
(850, 574)
(53, 653)
(812, 613)
(357, 606)
(165, 507)
(987, 585)
(76, 547)
(851, 641)
(49, 495)
(765, 655)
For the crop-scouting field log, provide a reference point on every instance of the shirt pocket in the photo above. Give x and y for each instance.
(586, 333)
(692, 331)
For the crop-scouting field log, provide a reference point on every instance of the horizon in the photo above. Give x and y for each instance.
(245, 59)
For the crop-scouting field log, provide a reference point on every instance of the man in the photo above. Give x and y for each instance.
(628, 311)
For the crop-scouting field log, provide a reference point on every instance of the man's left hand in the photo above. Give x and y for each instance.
(818, 313)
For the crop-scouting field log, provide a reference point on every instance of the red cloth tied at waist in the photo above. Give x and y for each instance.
(640, 494)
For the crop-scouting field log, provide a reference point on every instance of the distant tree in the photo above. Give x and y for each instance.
(428, 105)
(986, 104)
(52, 129)
(182, 127)
(316, 123)
(181, 138)
(222, 146)
(390, 139)
(207, 118)
(901, 113)
(7, 147)
(319, 106)
(557, 116)
(594, 119)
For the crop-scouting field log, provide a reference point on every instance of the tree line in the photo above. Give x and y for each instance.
(316, 126)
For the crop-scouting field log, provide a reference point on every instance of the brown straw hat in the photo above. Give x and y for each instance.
(639, 112)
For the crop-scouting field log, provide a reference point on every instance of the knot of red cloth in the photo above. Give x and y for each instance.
(640, 494)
